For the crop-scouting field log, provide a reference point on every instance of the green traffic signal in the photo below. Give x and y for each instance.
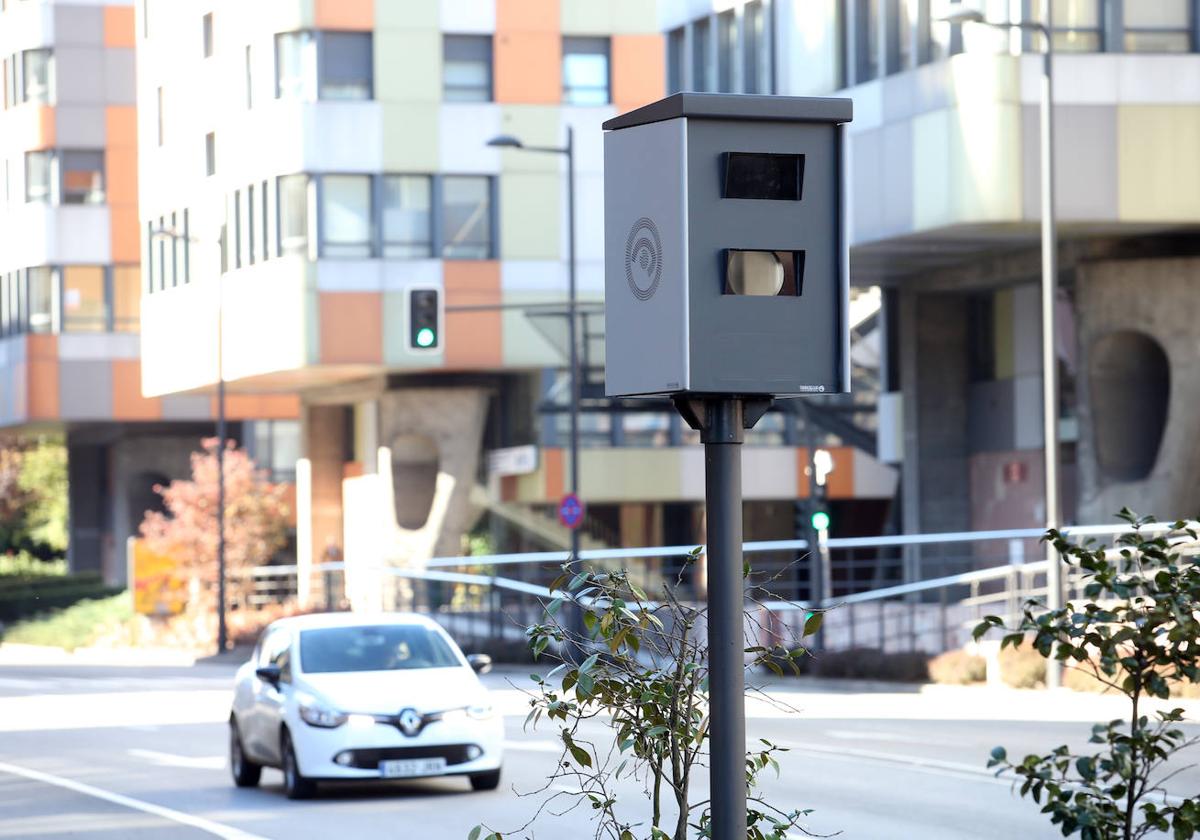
(425, 337)
(820, 520)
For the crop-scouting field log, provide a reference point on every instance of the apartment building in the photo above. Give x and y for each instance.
(71, 279)
(346, 230)
(944, 211)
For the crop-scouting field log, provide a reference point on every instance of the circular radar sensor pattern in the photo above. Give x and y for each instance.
(643, 259)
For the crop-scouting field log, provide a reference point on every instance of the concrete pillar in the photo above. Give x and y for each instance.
(323, 434)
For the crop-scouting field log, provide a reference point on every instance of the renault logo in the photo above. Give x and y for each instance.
(410, 722)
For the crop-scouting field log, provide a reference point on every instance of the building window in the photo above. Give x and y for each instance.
(1161, 27)
(726, 50)
(407, 217)
(82, 177)
(700, 33)
(296, 66)
(266, 221)
(159, 115)
(145, 18)
(127, 298)
(466, 217)
(210, 153)
(467, 68)
(866, 40)
(208, 35)
(754, 38)
(345, 65)
(293, 214)
(275, 447)
(585, 71)
(41, 299)
(249, 79)
(36, 72)
(346, 216)
(1077, 23)
(39, 168)
(676, 41)
(85, 308)
(323, 65)
(251, 224)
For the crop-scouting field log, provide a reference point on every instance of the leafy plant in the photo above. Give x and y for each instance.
(1137, 633)
(638, 666)
(255, 521)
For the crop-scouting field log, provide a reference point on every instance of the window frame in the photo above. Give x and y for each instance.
(580, 41)
(431, 223)
(1188, 29)
(440, 213)
(314, 89)
(462, 43)
(208, 36)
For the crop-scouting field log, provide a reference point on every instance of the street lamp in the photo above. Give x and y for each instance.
(222, 635)
(1049, 289)
(506, 141)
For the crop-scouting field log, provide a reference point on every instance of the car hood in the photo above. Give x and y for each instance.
(388, 692)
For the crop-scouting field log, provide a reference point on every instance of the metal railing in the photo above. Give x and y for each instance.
(486, 602)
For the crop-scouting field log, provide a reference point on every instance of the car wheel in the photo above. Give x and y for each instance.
(294, 783)
(245, 772)
(485, 781)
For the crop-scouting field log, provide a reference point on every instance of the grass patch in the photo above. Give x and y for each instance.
(78, 625)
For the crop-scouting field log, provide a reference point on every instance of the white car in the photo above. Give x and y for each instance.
(351, 697)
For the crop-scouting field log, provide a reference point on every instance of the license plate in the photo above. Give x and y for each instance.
(406, 768)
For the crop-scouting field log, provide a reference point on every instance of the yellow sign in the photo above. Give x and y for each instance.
(158, 587)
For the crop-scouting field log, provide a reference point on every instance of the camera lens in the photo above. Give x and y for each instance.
(758, 273)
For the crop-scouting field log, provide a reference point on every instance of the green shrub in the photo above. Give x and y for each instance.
(75, 626)
(1022, 667)
(957, 667)
(864, 664)
(22, 564)
(25, 597)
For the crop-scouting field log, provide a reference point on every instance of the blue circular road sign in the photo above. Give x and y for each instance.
(570, 511)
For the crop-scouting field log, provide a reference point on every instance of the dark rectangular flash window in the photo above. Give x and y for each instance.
(764, 176)
(764, 273)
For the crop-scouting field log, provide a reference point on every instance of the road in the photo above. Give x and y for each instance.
(113, 752)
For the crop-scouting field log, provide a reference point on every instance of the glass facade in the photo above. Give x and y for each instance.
(407, 216)
(467, 68)
(467, 217)
(585, 71)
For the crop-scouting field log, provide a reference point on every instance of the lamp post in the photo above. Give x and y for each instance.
(505, 141)
(1054, 583)
(222, 634)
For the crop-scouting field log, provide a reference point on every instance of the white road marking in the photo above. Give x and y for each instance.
(932, 766)
(533, 746)
(216, 829)
(851, 735)
(202, 762)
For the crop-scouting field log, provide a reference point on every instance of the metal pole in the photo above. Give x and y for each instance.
(722, 437)
(222, 636)
(572, 302)
(1049, 354)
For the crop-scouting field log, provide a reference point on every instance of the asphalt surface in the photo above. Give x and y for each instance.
(122, 752)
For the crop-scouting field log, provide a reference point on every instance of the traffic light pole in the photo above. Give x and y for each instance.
(722, 422)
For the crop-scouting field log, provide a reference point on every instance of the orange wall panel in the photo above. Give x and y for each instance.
(840, 483)
(529, 15)
(552, 459)
(125, 233)
(128, 402)
(639, 70)
(260, 406)
(528, 67)
(473, 339)
(119, 27)
(120, 126)
(351, 328)
(42, 371)
(357, 15)
(121, 176)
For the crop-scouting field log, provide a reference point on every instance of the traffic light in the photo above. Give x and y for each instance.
(820, 520)
(424, 320)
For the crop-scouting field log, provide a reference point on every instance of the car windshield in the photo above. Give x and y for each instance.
(394, 647)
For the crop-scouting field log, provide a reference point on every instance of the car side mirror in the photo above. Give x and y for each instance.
(269, 673)
(480, 663)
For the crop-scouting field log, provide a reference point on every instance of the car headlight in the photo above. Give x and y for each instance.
(315, 713)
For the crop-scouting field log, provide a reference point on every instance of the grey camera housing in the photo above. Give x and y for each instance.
(672, 325)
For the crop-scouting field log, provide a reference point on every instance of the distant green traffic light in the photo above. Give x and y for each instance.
(425, 337)
(820, 521)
